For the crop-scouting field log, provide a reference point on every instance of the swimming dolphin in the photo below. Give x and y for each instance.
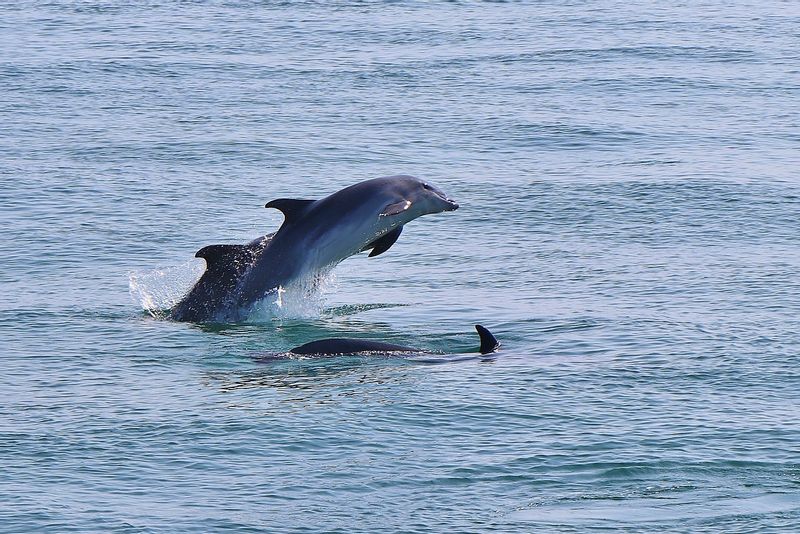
(335, 346)
(315, 236)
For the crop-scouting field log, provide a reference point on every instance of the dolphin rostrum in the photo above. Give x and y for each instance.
(337, 346)
(315, 236)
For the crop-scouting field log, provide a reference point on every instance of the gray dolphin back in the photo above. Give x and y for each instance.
(336, 346)
(348, 346)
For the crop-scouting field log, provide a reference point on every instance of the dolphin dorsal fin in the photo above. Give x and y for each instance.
(233, 257)
(489, 343)
(215, 255)
(292, 208)
(383, 243)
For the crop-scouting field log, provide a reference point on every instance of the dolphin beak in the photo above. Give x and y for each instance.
(449, 203)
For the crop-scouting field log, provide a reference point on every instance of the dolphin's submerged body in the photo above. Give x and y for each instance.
(315, 236)
(339, 346)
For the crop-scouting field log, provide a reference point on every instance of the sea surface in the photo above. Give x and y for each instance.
(629, 229)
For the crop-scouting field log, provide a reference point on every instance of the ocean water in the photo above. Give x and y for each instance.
(629, 229)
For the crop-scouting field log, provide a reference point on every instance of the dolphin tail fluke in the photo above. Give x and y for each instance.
(489, 343)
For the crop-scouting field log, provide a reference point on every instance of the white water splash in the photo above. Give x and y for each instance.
(158, 290)
(301, 299)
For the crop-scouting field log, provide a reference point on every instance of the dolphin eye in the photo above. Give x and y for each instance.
(426, 186)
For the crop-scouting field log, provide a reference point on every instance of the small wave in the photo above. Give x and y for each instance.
(352, 309)
(692, 505)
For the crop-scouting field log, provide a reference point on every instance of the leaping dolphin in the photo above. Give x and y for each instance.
(338, 346)
(315, 236)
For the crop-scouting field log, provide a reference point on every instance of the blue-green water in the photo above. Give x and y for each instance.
(629, 229)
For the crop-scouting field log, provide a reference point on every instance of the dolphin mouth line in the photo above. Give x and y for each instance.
(452, 205)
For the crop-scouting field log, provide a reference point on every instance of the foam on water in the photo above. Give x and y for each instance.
(302, 299)
(158, 290)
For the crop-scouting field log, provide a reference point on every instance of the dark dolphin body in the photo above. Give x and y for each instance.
(337, 346)
(315, 236)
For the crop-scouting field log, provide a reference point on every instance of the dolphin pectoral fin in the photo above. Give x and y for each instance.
(292, 208)
(383, 243)
(489, 343)
(397, 207)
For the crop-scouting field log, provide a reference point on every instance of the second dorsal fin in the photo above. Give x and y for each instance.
(489, 343)
(216, 255)
(292, 208)
(233, 257)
